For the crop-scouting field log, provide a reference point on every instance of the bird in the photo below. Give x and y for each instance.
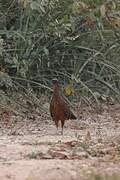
(59, 109)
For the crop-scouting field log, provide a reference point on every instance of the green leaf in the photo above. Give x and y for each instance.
(46, 51)
(97, 13)
(34, 5)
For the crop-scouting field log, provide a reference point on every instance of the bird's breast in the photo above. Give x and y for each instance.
(58, 110)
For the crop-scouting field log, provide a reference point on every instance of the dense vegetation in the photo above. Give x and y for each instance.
(76, 41)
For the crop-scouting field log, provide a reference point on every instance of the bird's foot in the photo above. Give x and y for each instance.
(58, 132)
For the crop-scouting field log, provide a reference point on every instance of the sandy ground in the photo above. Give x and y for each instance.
(30, 149)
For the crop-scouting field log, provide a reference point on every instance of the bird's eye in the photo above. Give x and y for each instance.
(55, 81)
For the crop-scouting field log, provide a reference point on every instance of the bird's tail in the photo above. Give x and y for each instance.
(72, 116)
(69, 115)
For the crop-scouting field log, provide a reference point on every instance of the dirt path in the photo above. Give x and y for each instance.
(31, 150)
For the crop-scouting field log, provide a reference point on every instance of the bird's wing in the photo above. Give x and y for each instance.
(52, 108)
(68, 113)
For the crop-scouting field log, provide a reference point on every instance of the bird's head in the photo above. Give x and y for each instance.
(55, 82)
(56, 85)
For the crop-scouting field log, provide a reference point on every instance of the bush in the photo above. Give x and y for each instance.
(76, 41)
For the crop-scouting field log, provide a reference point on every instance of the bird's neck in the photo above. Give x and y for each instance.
(56, 90)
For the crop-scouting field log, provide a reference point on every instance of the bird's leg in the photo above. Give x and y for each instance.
(57, 132)
(62, 124)
(62, 131)
(56, 123)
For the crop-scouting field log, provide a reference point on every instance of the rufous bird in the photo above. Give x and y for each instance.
(59, 109)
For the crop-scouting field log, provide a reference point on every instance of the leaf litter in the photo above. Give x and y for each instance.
(89, 145)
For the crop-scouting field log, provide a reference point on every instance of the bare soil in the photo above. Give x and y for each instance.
(30, 149)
